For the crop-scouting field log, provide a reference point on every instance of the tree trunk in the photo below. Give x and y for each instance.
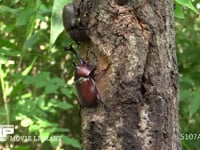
(139, 91)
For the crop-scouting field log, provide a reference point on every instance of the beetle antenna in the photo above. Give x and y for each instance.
(74, 64)
(70, 48)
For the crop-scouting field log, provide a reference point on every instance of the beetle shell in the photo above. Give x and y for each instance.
(85, 85)
(72, 24)
(84, 80)
(69, 18)
(87, 92)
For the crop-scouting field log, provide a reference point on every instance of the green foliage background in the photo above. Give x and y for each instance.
(37, 93)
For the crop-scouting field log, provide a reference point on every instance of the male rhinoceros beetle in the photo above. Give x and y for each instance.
(84, 81)
(73, 24)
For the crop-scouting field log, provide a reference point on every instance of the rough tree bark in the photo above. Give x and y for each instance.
(139, 91)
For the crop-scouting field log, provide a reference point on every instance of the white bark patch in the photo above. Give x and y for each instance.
(144, 127)
(103, 15)
(112, 140)
(132, 57)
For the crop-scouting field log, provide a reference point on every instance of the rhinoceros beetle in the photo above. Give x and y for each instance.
(73, 24)
(84, 80)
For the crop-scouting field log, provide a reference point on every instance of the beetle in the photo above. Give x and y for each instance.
(73, 24)
(84, 80)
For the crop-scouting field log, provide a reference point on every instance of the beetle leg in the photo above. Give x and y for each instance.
(74, 64)
(70, 48)
(102, 71)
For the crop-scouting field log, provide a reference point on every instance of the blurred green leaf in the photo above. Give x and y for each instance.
(6, 9)
(51, 88)
(185, 94)
(57, 81)
(6, 52)
(26, 122)
(186, 82)
(39, 80)
(34, 128)
(187, 3)
(179, 12)
(8, 44)
(185, 144)
(44, 135)
(67, 92)
(2, 111)
(46, 123)
(3, 60)
(24, 17)
(64, 105)
(195, 102)
(60, 130)
(71, 141)
(60, 105)
(56, 20)
(54, 143)
(28, 69)
(33, 77)
(33, 39)
(22, 148)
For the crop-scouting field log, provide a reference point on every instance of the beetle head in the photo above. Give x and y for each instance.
(82, 70)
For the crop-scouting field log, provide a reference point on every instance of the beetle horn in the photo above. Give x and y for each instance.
(70, 48)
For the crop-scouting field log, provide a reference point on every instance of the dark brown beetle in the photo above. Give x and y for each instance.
(84, 80)
(73, 24)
